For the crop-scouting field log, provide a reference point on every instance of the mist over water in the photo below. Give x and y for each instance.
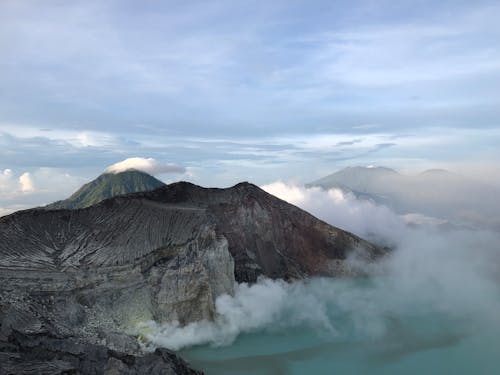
(429, 307)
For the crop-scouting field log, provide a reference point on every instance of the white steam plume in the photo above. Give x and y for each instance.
(342, 210)
(452, 276)
(449, 277)
(254, 307)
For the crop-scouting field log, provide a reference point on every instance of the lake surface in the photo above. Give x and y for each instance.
(303, 352)
(371, 328)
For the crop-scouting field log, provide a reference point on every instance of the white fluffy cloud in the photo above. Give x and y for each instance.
(148, 165)
(26, 182)
(11, 185)
(24, 189)
(6, 181)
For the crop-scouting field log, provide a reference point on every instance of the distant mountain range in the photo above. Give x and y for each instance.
(109, 185)
(437, 193)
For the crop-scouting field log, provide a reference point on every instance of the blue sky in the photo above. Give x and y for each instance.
(244, 90)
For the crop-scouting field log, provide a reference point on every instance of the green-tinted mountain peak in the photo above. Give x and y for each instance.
(109, 185)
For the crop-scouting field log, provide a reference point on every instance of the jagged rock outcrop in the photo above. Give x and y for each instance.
(35, 354)
(91, 275)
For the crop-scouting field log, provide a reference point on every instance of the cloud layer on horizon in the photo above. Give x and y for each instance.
(250, 91)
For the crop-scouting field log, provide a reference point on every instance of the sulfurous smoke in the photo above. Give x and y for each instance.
(448, 280)
(343, 210)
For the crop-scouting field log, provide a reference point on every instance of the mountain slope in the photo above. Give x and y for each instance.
(363, 182)
(106, 186)
(360, 179)
(265, 235)
(91, 276)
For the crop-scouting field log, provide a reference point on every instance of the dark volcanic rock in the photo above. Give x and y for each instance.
(268, 236)
(32, 341)
(265, 235)
(42, 354)
(73, 283)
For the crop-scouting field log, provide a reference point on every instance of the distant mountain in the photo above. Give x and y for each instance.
(436, 193)
(355, 178)
(109, 185)
(363, 182)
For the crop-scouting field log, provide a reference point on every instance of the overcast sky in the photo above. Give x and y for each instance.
(243, 90)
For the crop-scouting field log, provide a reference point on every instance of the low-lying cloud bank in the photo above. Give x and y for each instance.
(448, 280)
(148, 165)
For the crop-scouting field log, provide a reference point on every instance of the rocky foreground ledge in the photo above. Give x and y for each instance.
(73, 283)
(41, 353)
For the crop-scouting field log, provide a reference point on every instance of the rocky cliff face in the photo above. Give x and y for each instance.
(90, 275)
(268, 236)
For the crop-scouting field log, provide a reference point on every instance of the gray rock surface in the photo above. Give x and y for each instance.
(43, 354)
(75, 282)
(268, 236)
(118, 263)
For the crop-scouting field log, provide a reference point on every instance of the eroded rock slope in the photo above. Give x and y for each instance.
(90, 275)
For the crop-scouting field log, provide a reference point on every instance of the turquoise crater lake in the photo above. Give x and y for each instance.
(368, 326)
